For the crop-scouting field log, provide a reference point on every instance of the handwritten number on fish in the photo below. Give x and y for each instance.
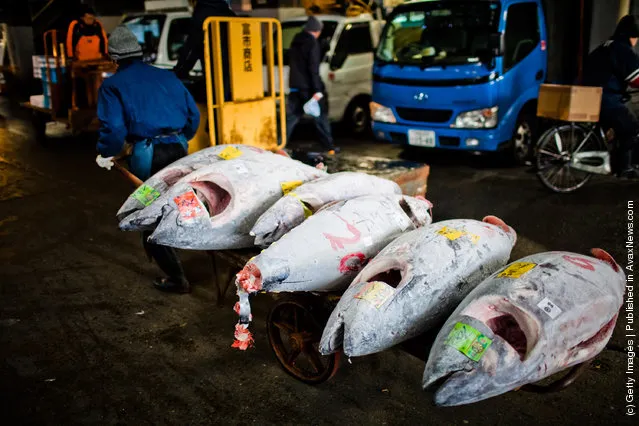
(581, 262)
(338, 243)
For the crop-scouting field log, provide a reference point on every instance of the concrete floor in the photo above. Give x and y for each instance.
(85, 339)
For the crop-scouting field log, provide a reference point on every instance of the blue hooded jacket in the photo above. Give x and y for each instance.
(141, 102)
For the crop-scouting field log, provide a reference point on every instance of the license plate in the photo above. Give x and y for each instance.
(421, 138)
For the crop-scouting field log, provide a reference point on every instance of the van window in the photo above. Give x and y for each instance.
(147, 29)
(178, 32)
(356, 38)
(522, 33)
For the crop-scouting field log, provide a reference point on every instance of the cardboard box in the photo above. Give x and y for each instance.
(569, 103)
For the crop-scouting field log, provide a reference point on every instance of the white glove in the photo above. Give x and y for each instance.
(312, 107)
(104, 162)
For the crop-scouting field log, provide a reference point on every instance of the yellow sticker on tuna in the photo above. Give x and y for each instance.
(376, 292)
(453, 234)
(229, 153)
(516, 270)
(290, 185)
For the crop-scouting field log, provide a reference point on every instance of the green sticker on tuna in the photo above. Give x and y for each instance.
(145, 194)
(468, 340)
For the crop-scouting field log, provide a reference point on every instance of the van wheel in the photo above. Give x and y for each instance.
(357, 119)
(523, 141)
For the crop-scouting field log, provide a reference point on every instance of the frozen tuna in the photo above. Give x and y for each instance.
(415, 283)
(291, 210)
(536, 317)
(327, 250)
(160, 182)
(215, 207)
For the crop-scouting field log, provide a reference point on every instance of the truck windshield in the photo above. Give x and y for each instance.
(147, 29)
(439, 33)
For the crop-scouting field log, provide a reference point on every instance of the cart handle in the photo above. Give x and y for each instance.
(117, 162)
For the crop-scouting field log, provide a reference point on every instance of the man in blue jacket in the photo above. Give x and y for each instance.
(152, 110)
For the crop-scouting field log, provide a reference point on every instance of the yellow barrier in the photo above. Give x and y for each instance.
(249, 117)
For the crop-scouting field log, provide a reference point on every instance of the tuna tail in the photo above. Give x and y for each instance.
(418, 209)
(606, 257)
(494, 220)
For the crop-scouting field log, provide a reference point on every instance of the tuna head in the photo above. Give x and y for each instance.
(326, 251)
(160, 182)
(287, 213)
(415, 282)
(307, 199)
(536, 317)
(197, 214)
(153, 188)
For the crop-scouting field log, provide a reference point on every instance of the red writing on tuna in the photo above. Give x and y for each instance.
(352, 263)
(339, 242)
(581, 262)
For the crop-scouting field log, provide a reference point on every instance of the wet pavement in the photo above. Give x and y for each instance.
(85, 339)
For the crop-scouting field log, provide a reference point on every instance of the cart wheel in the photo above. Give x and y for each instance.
(294, 332)
(39, 121)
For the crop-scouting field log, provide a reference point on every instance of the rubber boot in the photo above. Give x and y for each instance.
(626, 169)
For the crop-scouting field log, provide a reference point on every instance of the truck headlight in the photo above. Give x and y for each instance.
(381, 113)
(477, 119)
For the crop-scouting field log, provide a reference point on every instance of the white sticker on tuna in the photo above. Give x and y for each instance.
(549, 308)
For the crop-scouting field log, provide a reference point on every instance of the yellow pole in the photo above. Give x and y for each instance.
(280, 65)
(624, 8)
(209, 83)
(219, 79)
(271, 60)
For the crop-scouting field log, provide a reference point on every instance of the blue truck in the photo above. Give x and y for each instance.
(461, 75)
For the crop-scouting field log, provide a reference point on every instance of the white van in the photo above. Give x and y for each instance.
(347, 67)
(162, 35)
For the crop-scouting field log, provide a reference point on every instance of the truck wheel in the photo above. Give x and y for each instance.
(523, 140)
(357, 119)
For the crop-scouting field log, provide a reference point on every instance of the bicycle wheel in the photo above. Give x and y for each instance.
(554, 154)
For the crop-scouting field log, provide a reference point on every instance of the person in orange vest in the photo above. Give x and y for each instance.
(86, 39)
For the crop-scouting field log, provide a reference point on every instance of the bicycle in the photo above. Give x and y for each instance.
(569, 154)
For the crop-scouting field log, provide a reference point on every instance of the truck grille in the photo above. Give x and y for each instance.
(424, 115)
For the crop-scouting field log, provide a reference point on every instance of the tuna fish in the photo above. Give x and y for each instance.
(215, 207)
(160, 182)
(327, 250)
(415, 282)
(291, 210)
(536, 317)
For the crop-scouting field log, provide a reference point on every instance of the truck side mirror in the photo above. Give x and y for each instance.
(497, 44)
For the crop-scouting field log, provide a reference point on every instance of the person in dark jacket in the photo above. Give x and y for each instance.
(614, 66)
(305, 82)
(151, 109)
(193, 49)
